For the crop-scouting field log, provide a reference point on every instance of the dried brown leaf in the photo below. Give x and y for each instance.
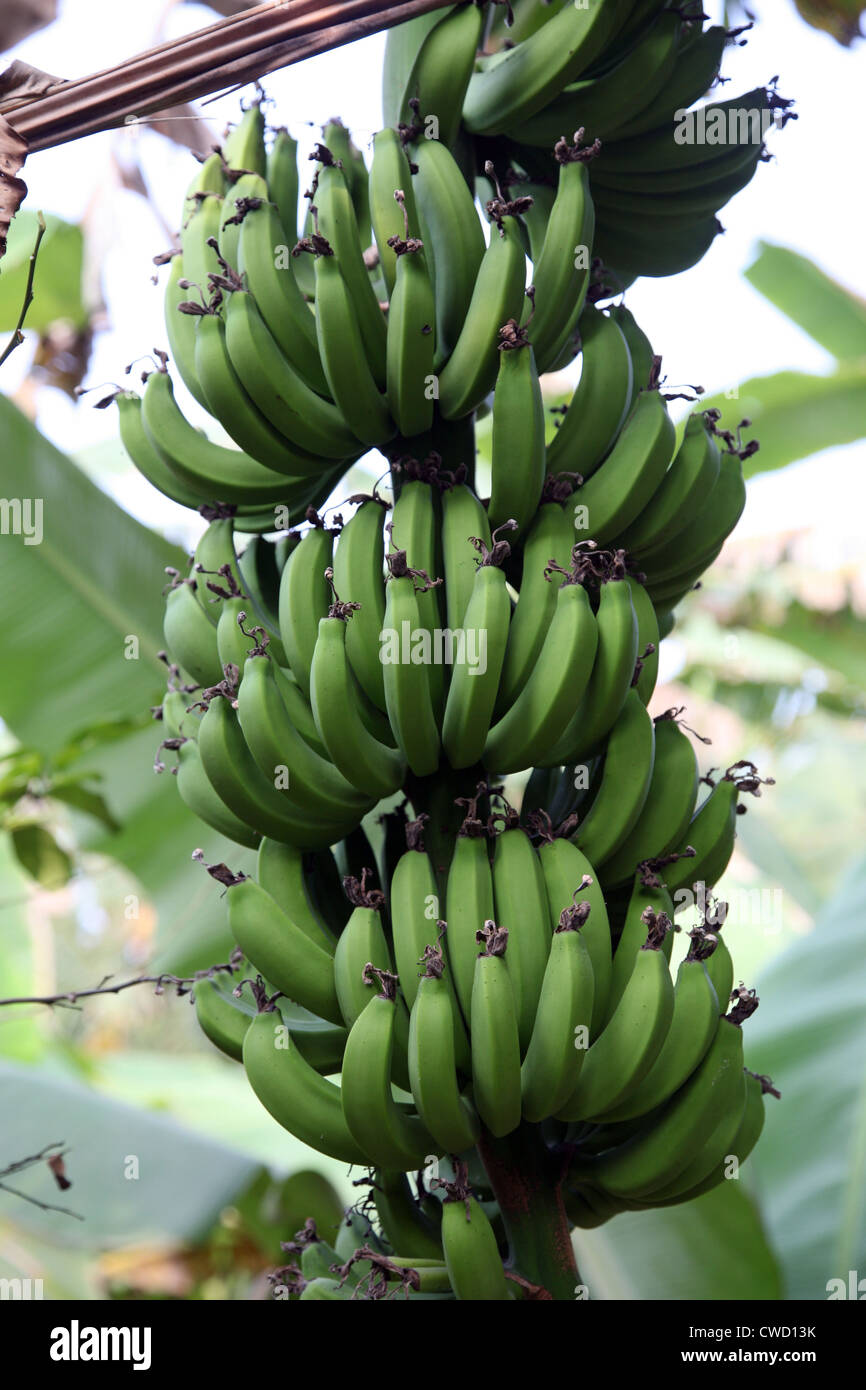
(19, 82)
(13, 191)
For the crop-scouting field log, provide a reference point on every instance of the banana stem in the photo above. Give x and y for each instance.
(526, 1182)
(436, 797)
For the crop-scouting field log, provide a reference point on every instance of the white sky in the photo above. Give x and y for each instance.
(710, 325)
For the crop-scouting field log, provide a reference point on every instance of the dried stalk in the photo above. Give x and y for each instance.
(232, 51)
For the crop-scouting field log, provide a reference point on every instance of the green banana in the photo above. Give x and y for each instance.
(710, 833)
(432, 1064)
(147, 459)
(625, 783)
(310, 784)
(669, 804)
(415, 529)
(236, 411)
(560, 276)
(242, 186)
(746, 1137)
(176, 718)
(260, 578)
(667, 246)
(605, 103)
(470, 372)
(368, 764)
(362, 940)
(389, 171)
(667, 1144)
(202, 217)
(303, 1102)
(647, 665)
(716, 167)
(495, 1036)
(553, 1060)
(468, 901)
(521, 909)
(199, 796)
(180, 328)
(617, 203)
(309, 422)
(517, 466)
(319, 1043)
(243, 148)
(411, 335)
(682, 492)
(299, 710)
(710, 1157)
(282, 180)
(321, 1289)
(550, 537)
(337, 223)
(216, 562)
(189, 634)
(601, 400)
(610, 679)
(471, 1253)
(341, 348)
(266, 264)
(463, 517)
(408, 694)
(649, 899)
(223, 1020)
(338, 140)
(453, 239)
(282, 873)
(515, 83)
(696, 68)
(388, 1135)
(234, 641)
(211, 469)
(243, 788)
(640, 349)
(404, 1223)
(474, 685)
(304, 599)
(442, 71)
(359, 568)
(567, 874)
(627, 1047)
(661, 150)
(529, 730)
(693, 1026)
(281, 950)
(707, 530)
(675, 588)
(401, 47)
(623, 486)
(413, 900)
(720, 966)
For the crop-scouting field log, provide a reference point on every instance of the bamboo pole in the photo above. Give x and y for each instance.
(231, 52)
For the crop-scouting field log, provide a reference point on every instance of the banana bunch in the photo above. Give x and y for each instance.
(331, 669)
(623, 72)
(453, 1239)
(345, 686)
(534, 1003)
(310, 351)
(251, 760)
(670, 508)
